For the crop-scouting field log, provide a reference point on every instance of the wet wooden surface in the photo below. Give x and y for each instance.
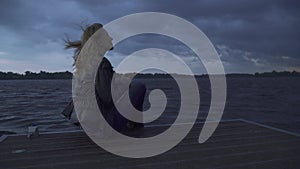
(235, 144)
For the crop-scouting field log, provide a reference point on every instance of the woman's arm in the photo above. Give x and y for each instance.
(103, 82)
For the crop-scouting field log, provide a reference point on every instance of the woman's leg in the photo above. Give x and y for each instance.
(137, 92)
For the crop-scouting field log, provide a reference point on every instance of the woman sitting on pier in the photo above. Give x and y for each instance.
(103, 88)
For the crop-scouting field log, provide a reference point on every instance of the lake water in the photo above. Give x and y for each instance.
(270, 101)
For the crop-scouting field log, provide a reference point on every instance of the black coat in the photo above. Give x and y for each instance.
(102, 90)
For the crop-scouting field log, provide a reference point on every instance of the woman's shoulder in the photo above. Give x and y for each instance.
(105, 63)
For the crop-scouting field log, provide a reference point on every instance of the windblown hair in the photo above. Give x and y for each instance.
(77, 45)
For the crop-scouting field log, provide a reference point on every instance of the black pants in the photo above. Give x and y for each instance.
(118, 122)
(136, 94)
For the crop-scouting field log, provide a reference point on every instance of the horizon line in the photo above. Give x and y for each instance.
(236, 73)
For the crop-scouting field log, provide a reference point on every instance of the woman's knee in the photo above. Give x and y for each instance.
(137, 88)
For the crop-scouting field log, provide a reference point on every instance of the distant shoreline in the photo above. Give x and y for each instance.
(43, 75)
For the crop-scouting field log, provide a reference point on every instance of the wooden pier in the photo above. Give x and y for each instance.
(235, 144)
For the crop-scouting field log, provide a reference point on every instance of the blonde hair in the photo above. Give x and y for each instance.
(87, 33)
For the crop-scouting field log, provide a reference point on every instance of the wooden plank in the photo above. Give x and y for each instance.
(234, 144)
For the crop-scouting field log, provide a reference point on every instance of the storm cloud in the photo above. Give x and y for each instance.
(249, 35)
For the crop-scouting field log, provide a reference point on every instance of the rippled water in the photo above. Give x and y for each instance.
(26, 102)
(271, 101)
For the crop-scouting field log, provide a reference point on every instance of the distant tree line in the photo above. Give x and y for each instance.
(263, 74)
(68, 75)
(33, 75)
(277, 74)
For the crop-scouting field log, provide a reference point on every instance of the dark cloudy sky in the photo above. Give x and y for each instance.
(249, 35)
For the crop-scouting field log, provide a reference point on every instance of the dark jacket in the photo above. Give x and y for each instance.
(103, 89)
